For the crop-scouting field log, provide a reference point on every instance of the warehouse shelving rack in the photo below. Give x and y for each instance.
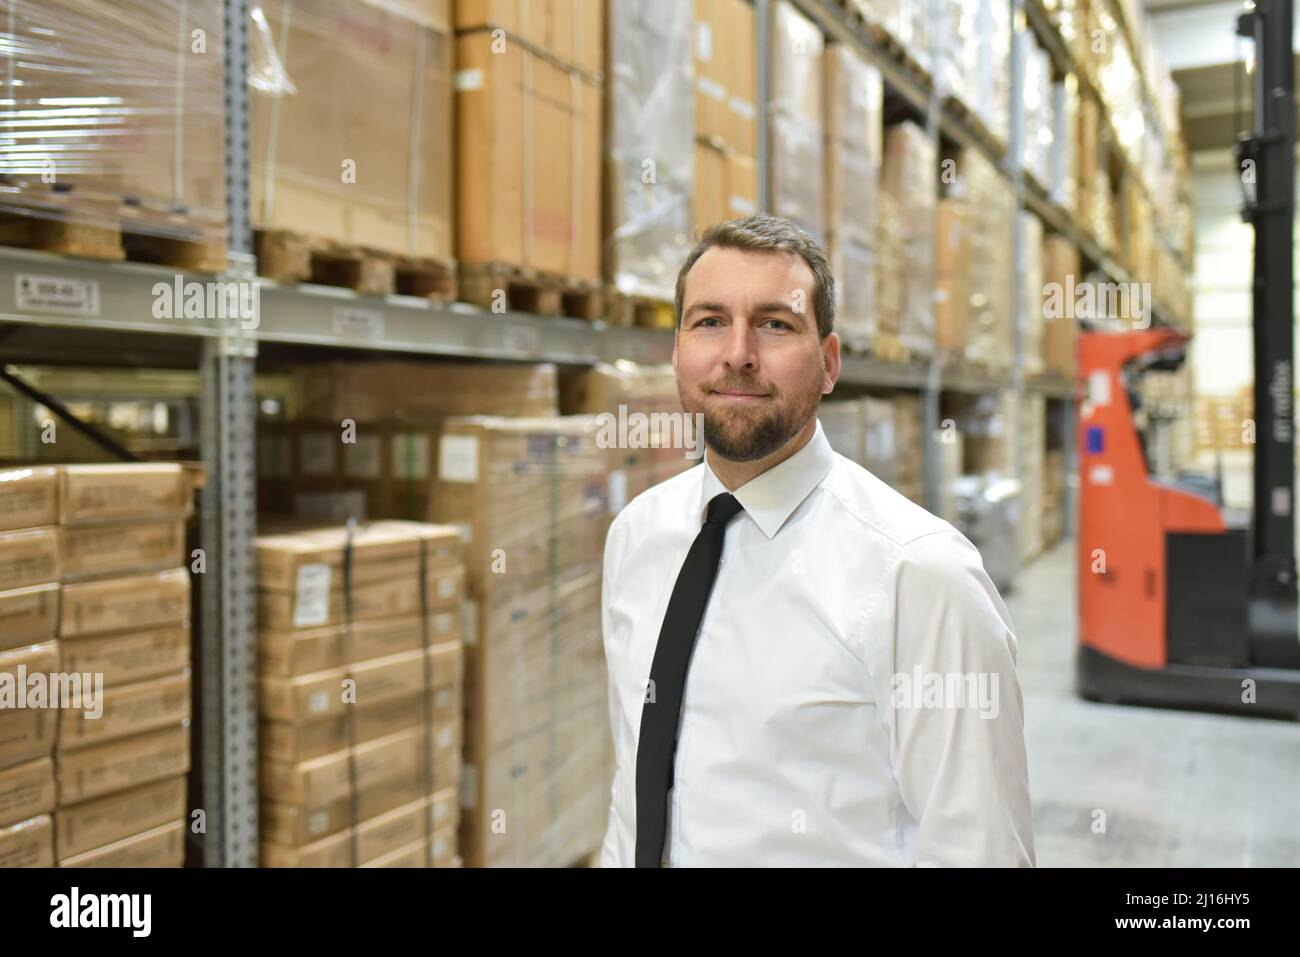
(122, 331)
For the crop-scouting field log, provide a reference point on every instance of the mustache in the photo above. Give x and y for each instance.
(745, 386)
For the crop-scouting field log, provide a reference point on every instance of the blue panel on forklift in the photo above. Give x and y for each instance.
(1096, 436)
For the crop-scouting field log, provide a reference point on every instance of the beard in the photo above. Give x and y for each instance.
(740, 432)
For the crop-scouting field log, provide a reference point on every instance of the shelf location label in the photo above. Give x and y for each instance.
(56, 295)
(353, 323)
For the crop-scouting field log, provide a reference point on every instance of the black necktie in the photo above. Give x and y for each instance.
(662, 710)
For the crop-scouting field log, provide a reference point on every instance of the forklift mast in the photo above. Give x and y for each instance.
(1270, 148)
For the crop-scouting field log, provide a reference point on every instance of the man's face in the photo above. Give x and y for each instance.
(747, 353)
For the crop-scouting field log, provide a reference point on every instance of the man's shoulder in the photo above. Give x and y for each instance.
(878, 507)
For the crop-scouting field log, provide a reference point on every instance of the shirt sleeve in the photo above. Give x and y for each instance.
(609, 853)
(956, 710)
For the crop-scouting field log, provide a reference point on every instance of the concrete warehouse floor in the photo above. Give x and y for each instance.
(1178, 788)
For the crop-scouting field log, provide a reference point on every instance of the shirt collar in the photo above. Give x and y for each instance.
(770, 498)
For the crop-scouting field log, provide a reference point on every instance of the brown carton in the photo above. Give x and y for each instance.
(29, 615)
(157, 847)
(117, 493)
(293, 654)
(28, 843)
(26, 790)
(126, 603)
(102, 550)
(374, 545)
(117, 765)
(95, 823)
(528, 159)
(28, 497)
(128, 709)
(572, 31)
(326, 162)
(29, 557)
(26, 728)
(131, 656)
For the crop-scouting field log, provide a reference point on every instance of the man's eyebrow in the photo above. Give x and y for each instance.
(705, 307)
(774, 305)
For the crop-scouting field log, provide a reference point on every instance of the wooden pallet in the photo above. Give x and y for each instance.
(503, 286)
(291, 257)
(61, 219)
(641, 311)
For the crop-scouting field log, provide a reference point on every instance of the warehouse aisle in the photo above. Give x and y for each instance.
(1177, 788)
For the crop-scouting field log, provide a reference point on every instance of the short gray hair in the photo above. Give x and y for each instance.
(767, 232)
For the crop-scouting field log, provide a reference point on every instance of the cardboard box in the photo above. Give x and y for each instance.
(29, 557)
(377, 549)
(128, 657)
(117, 765)
(29, 616)
(795, 118)
(535, 202)
(293, 654)
(322, 780)
(28, 843)
(127, 603)
(290, 742)
(103, 550)
(571, 31)
(321, 695)
(26, 790)
(27, 731)
(28, 497)
(157, 847)
(102, 821)
(399, 830)
(314, 605)
(296, 825)
(117, 493)
(128, 709)
(325, 162)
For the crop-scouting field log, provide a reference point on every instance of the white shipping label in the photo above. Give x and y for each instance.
(361, 459)
(1101, 475)
(703, 41)
(617, 491)
(57, 295)
(312, 599)
(410, 456)
(446, 587)
(318, 822)
(465, 80)
(443, 623)
(458, 458)
(319, 701)
(316, 451)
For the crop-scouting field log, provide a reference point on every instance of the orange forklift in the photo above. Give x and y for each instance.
(1180, 605)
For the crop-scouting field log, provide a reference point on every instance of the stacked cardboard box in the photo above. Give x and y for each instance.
(29, 602)
(879, 439)
(853, 159)
(1031, 305)
(908, 447)
(1222, 422)
(650, 143)
(1030, 470)
(528, 135)
(990, 208)
(1036, 96)
(125, 621)
(324, 162)
(1064, 152)
(1060, 326)
(359, 701)
(656, 444)
(362, 438)
(842, 421)
(891, 264)
(1053, 497)
(910, 172)
(989, 79)
(952, 275)
(795, 120)
(531, 497)
(121, 104)
(726, 80)
(987, 424)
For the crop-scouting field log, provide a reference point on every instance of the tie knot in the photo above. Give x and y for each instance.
(722, 509)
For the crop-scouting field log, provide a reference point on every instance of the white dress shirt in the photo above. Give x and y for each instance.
(797, 744)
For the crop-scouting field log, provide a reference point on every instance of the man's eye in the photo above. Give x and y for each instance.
(782, 323)
(708, 319)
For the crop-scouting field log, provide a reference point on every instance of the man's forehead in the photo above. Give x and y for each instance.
(779, 271)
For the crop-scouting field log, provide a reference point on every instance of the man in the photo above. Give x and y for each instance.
(805, 668)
